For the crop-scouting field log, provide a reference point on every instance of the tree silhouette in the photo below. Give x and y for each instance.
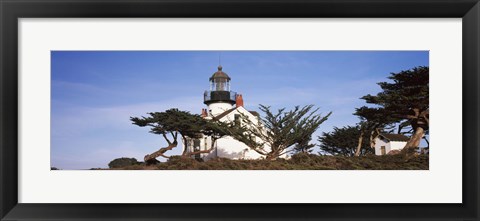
(406, 99)
(172, 123)
(275, 134)
(373, 121)
(344, 142)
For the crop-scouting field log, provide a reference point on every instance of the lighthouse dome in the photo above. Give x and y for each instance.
(220, 74)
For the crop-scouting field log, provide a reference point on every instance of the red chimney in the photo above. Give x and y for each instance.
(204, 112)
(239, 100)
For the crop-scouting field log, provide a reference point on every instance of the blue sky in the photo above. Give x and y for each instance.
(95, 92)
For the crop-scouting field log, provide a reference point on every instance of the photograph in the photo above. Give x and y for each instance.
(239, 110)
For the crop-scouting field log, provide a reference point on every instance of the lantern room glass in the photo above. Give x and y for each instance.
(220, 84)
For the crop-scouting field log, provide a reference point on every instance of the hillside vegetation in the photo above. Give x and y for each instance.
(300, 161)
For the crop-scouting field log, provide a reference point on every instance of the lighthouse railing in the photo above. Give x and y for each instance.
(223, 95)
(233, 95)
(206, 96)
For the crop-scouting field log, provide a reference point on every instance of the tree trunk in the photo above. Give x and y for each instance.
(272, 156)
(376, 131)
(414, 141)
(199, 152)
(359, 146)
(160, 152)
(212, 146)
(185, 150)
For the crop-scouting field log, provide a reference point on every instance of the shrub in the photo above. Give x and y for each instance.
(122, 162)
(301, 161)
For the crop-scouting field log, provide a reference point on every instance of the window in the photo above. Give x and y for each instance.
(196, 144)
(382, 148)
(237, 119)
(196, 147)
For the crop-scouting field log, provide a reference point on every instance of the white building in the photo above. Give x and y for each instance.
(385, 143)
(226, 106)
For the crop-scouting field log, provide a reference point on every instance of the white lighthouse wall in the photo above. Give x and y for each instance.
(233, 149)
(218, 108)
(228, 147)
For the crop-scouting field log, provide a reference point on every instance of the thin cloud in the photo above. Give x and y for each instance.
(95, 94)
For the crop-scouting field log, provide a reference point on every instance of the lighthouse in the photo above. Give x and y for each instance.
(219, 98)
(227, 106)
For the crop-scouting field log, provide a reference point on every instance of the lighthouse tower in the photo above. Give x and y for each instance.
(219, 98)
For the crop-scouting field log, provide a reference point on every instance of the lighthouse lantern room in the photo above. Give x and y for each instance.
(219, 98)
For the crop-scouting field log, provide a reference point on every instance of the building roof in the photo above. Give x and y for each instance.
(395, 137)
(220, 116)
(219, 74)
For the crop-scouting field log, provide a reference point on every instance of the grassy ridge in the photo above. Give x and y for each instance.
(296, 162)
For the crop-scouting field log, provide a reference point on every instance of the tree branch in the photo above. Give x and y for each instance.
(159, 152)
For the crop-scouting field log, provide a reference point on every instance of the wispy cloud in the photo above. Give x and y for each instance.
(95, 93)
(95, 135)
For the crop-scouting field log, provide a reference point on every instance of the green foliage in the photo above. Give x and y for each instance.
(374, 118)
(409, 90)
(343, 141)
(122, 162)
(215, 129)
(174, 122)
(404, 101)
(304, 146)
(280, 131)
(407, 98)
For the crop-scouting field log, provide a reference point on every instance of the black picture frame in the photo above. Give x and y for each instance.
(12, 10)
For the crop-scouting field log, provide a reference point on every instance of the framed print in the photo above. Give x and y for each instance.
(176, 110)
